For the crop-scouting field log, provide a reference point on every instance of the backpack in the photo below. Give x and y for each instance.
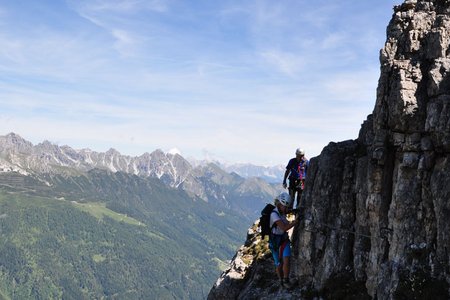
(264, 220)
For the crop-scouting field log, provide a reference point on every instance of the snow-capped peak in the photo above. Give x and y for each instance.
(174, 151)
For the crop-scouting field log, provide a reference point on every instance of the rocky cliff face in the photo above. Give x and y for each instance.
(376, 216)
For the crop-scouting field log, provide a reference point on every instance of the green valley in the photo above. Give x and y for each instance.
(109, 235)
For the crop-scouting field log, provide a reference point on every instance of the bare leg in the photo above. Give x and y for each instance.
(292, 194)
(279, 271)
(286, 267)
(299, 196)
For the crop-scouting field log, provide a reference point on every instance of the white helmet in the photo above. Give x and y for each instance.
(299, 151)
(284, 198)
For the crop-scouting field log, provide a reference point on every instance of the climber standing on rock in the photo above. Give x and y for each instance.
(279, 242)
(296, 169)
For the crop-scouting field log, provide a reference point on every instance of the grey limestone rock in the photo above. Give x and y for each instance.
(376, 210)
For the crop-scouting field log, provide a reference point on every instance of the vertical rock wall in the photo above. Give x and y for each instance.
(378, 208)
(376, 216)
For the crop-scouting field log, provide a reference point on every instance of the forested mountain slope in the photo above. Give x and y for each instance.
(84, 235)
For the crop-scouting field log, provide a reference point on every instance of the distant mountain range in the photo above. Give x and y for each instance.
(242, 187)
(272, 174)
(80, 224)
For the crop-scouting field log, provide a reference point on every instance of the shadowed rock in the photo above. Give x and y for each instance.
(376, 216)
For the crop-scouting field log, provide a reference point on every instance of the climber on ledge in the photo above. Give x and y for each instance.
(279, 242)
(296, 169)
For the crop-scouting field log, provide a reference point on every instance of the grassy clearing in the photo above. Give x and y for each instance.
(158, 236)
(98, 258)
(99, 210)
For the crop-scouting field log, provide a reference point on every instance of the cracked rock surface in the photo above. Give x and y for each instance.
(375, 222)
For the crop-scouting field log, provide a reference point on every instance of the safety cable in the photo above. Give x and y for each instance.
(335, 229)
(383, 231)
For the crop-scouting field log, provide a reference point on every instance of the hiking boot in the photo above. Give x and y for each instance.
(287, 284)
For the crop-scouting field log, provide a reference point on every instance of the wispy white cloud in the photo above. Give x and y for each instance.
(47, 55)
(11, 50)
(334, 40)
(353, 86)
(223, 76)
(288, 63)
(121, 6)
(125, 43)
(115, 18)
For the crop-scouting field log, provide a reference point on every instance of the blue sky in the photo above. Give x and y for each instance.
(240, 81)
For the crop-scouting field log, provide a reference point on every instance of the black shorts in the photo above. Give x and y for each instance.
(296, 185)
